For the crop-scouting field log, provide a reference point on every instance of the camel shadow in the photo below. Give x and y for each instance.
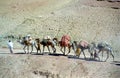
(20, 53)
(42, 53)
(37, 54)
(57, 54)
(117, 63)
(86, 59)
(115, 7)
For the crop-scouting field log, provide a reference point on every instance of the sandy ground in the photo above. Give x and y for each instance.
(90, 20)
(20, 65)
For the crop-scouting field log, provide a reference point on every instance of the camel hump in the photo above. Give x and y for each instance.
(47, 37)
(28, 38)
(45, 40)
(103, 44)
(65, 38)
(83, 43)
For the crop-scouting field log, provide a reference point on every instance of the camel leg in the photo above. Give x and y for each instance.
(74, 47)
(64, 50)
(37, 51)
(82, 50)
(91, 53)
(84, 54)
(98, 58)
(53, 48)
(107, 55)
(24, 49)
(36, 48)
(40, 50)
(98, 53)
(48, 49)
(69, 48)
(102, 55)
(27, 49)
(111, 52)
(43, 48)
(32, 49)
(61, 49)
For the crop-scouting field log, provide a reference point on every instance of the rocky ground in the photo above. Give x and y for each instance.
(91, 20)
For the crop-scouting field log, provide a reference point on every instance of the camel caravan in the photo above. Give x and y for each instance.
(78, 47)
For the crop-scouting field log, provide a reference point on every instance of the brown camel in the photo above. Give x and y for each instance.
(27, 44)
(49, 42)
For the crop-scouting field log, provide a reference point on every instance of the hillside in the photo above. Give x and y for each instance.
(90, 20)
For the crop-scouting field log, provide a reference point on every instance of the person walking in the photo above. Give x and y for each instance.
(10, 46)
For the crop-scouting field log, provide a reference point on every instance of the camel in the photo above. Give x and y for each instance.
(105, 47)
(27, 44)
(49, 42)
(65, 42)
(83, 45)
